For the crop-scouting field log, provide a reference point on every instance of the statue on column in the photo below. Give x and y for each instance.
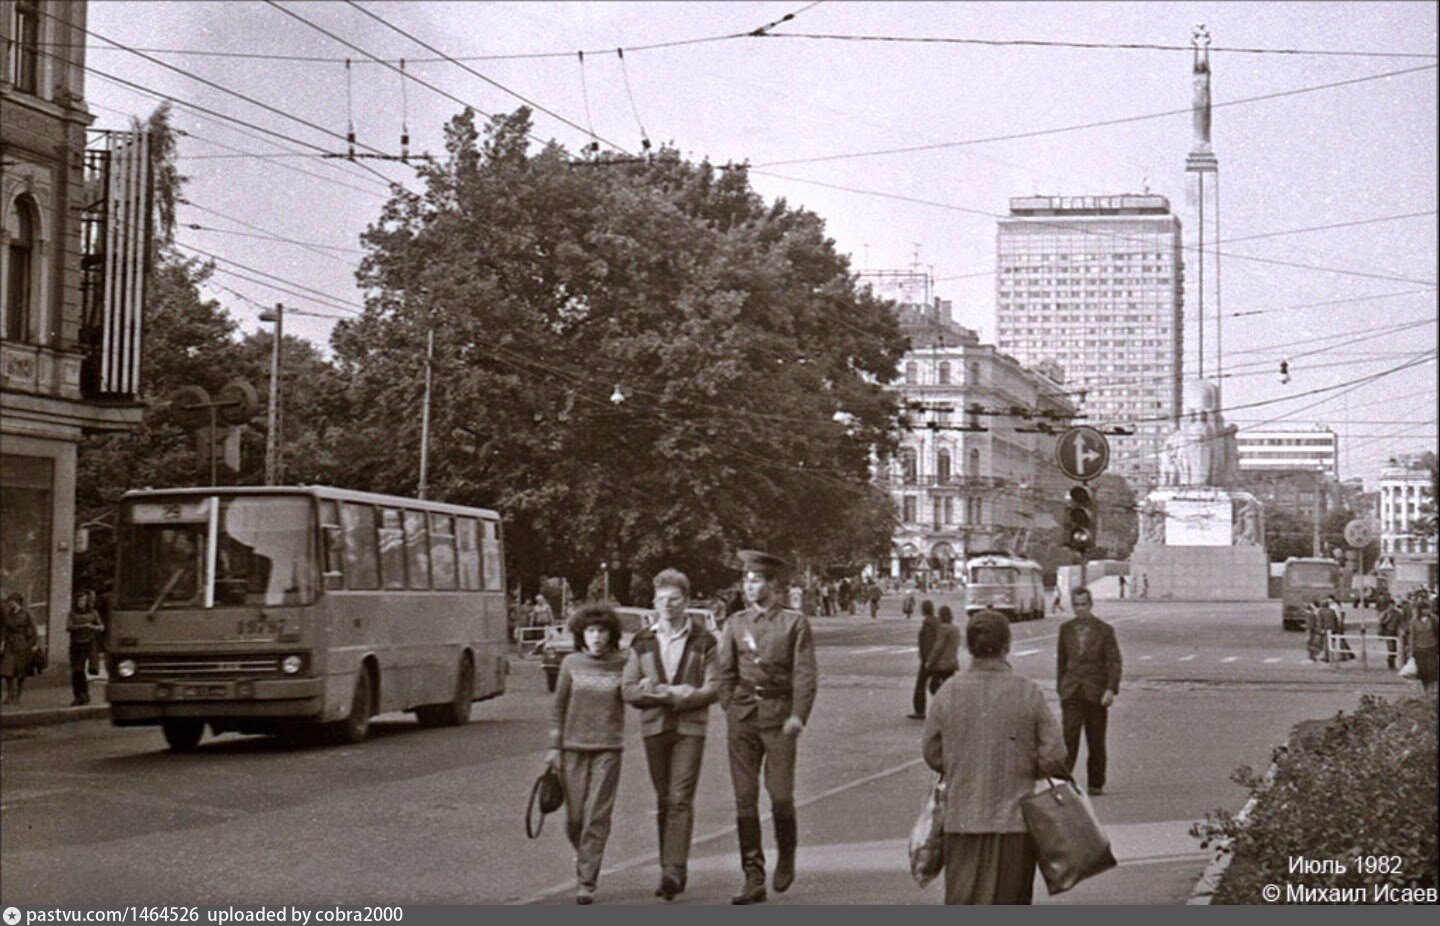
(1202, 450)
(1200, 106)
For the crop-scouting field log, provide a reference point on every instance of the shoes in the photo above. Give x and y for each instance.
(668, 888)
(1094, 791)
(585, 895)
(916, 716)
(77, 703)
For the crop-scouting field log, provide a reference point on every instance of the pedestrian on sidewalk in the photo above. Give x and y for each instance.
(943, 660)
(672, 676)
(767, 688)
(990, 735)
(1088, 679)
(1392, 624)
(1420, 639)
(587, 734)
(907, 604)
(19, 644)
(85, 627)
(929, 624)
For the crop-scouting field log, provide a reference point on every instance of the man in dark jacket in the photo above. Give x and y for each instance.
(767, 688)
(928, 627)
(673, 677)
(1088, 679)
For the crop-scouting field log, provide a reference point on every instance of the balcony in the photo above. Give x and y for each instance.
(953, 481)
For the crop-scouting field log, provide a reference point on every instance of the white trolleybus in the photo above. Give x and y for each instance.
(1012, 585)
(281, 609)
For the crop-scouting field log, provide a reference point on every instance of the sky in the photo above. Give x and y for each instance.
(1328, 193)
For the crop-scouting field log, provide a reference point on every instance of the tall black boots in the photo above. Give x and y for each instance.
(752, 861)
(785, 838)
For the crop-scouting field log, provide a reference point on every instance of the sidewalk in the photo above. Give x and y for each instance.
(46, 700)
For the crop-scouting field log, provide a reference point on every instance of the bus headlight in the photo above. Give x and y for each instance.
(290, 665)
(125, 668)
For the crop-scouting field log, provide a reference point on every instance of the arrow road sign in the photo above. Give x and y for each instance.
(1082, 453)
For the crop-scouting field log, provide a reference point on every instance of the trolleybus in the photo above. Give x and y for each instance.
(1012, 585)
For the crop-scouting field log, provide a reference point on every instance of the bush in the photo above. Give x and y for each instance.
(1360, 785)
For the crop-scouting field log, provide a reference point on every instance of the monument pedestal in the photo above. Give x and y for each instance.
(1201, 543)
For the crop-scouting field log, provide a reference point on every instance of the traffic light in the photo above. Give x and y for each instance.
(1080, 522)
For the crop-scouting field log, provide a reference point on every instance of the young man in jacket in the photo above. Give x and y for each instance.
(767, 688)
(1088, 679)
(673, 677)
(928, 627)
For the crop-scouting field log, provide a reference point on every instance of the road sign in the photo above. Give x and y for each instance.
(1082, 453)
(1359, 533)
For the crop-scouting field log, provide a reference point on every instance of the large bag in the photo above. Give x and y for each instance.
(548, 793)
(1069, 843)
(1410, 670)
(927, 837)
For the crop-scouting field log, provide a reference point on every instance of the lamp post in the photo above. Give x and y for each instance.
(272, 417)
(425, 415)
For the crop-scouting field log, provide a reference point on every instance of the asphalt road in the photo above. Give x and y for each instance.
(95, 815)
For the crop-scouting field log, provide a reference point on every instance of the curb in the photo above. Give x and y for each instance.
(1204, 890)
(55, 715)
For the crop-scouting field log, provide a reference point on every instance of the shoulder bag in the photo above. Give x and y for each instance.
(547, 795)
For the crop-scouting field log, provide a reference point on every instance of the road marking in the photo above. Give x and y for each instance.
(1187, 658)
(1025, 652)
(1146, 658)
(1231, 659)
(1272, 659)
(653, 857)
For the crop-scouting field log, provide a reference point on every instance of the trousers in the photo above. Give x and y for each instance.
(939, 678)
(591, 779)
(752, 752)
(1077, 714)
(918, 701)
(674, 763)
(80, 656)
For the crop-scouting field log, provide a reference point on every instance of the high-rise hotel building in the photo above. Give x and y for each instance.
(1095, 284)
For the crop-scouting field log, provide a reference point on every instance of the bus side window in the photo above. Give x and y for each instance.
(467, 545)
(362, 567)
(392, 549)
(490, 558)
(332, 545)
(442, 551)
(417, 549)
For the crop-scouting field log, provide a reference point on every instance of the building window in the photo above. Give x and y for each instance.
(974, 469)
(909, 465)
(942, 466)
(949, 510)
(912, 373)
(909, 510)
(25, 46)
(20, 271)
(943, 373)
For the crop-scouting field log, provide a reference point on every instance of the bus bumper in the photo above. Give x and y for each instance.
(149, 702)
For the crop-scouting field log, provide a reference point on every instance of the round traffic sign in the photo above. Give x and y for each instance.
(190, 406)
(1082, 453)
(1359, 533)
(237, 402)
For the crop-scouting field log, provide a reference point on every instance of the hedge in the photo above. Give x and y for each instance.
(1362, 785)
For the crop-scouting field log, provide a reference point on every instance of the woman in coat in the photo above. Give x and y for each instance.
(587, 734)
(991, 736)
(18, 643)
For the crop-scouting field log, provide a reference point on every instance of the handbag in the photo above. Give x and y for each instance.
(1410, 670)
(927, 836)
(547, 795)
(1069, 843)
(39, 661)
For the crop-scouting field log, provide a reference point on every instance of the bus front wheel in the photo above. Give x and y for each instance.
(182, 735)
(354, 727)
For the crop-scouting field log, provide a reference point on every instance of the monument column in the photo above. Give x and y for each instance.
(1202, 226)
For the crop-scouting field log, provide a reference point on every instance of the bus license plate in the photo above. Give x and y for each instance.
(202, 692)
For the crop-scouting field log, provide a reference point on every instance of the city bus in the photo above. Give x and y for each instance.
(1306, 579)
(286, 609)
(1012, 585)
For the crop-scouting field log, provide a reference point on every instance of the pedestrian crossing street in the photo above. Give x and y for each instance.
(1196, 659)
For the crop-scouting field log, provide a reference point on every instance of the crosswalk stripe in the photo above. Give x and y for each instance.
(1273, 659)
(1231, 659)
(1187, 658)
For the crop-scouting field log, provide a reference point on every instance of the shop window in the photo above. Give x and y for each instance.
(26, 497)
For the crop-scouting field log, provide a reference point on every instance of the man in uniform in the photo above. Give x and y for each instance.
(767, 687)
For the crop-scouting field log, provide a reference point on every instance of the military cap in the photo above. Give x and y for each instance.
(756, 561)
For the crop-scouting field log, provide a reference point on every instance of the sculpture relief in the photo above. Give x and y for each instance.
(1248, 530)
(1202, 451)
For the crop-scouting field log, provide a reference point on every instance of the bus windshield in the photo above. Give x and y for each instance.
(992, 575)
(264, 553)
(1310, 575)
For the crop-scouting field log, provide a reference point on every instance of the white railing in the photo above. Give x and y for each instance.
(1338, 645)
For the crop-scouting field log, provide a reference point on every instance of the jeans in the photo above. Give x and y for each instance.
(591, 779)
(674, 762)
(1077, 714)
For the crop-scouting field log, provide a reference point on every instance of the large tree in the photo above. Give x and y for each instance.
(639, 362)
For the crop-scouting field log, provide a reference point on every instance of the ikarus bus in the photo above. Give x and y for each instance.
(276, 609)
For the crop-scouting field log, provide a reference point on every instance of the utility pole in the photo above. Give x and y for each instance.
(272, 422)
(425, 415)
(1319, 499)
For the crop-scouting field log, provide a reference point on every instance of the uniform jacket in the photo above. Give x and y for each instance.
(767, 667)
(991, 735)
(1087, 659)
(699, 668)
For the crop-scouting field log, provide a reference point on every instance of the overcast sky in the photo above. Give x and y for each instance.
(1361, 155)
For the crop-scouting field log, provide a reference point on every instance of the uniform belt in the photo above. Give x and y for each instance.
(768, 692)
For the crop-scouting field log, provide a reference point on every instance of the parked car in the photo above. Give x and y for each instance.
(559, 642)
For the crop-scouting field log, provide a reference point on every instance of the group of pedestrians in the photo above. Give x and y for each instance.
(761, 671)
(1407, 625)
(991, 736)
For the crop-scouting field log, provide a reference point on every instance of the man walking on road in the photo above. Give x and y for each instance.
(767, 688)
(1088, 679)
(929, 626)
(673, 677)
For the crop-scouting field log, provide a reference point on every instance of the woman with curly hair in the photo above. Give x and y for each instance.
(587, 734)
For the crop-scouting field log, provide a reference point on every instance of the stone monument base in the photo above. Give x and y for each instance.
(1237, 573)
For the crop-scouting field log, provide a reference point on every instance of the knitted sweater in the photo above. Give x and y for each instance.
(587, 713)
